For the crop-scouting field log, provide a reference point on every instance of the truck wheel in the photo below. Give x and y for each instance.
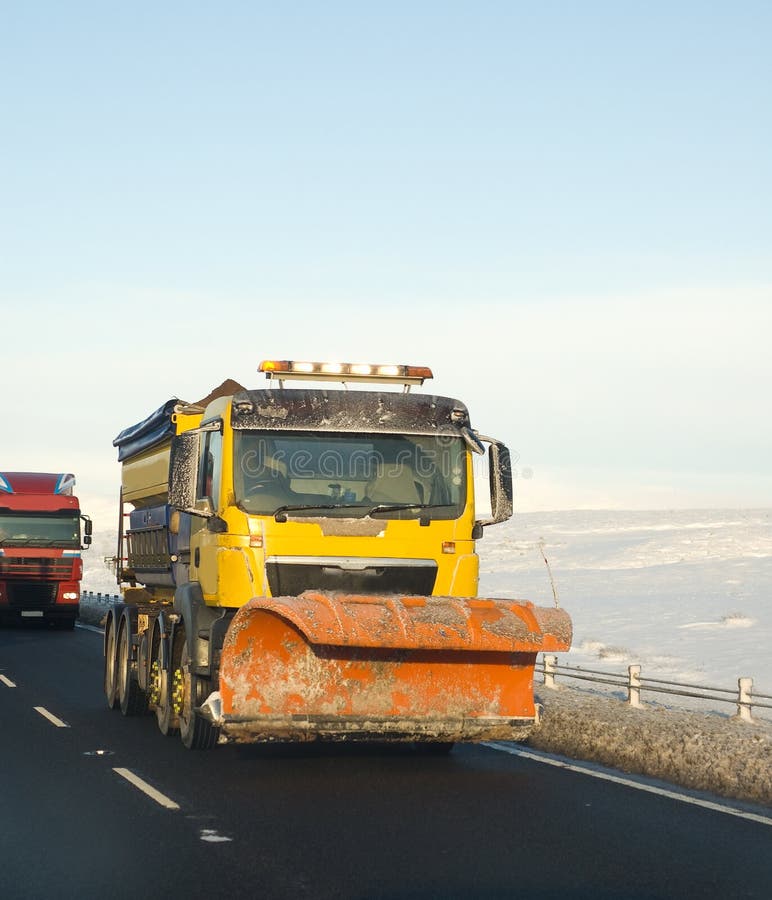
(132, 698)
(110, 682)
(159, 689)
(197, 733)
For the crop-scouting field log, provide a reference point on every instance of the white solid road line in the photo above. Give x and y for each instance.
(7, 681)
(51, 717)
(549, 760)
(147, 788)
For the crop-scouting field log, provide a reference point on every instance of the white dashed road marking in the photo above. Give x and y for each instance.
(51, 717)
(7, 681)
(146, 788)
(639, 786)
(213, 837)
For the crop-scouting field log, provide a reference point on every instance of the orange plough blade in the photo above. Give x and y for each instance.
(349, 667)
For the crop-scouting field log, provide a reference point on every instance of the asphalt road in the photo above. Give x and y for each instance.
(78, 818)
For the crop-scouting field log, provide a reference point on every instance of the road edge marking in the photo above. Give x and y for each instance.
(626, 782)
(51, 717)
(87, 626)
(146, 788)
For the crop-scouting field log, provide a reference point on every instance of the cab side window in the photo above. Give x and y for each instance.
(210, 467)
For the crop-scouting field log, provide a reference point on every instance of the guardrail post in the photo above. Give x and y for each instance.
(550, 665)
(634, 685)
(744, 695)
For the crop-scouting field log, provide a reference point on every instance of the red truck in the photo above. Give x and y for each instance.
(40, 547)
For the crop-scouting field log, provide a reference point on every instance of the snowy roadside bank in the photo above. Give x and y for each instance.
(683, 593)
(708, 752)
(702, 751)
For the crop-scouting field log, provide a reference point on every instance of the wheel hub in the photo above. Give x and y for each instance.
(154, 694)
(178, 692)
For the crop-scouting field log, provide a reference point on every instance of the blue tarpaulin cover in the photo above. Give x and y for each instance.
(157, 427)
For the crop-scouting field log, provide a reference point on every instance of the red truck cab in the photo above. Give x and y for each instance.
(40, 547)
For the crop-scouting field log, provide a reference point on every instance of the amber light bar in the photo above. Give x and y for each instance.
(331, 371)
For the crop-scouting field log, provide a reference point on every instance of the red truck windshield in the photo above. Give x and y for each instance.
(39, 530)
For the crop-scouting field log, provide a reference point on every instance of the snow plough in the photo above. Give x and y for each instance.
(298, 563)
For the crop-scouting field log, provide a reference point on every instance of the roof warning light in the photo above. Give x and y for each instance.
(285, 369)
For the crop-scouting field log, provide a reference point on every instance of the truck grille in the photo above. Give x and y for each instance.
(30, 594)
(36, 567)
(288, 576)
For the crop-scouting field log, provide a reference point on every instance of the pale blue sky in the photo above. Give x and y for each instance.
(564, 208)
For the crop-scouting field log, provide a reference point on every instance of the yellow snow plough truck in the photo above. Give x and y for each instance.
(298, 563)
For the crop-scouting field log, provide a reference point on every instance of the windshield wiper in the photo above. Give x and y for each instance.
(280, 514)
(31, 542)
(396, 507)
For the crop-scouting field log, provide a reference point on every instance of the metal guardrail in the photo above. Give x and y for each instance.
(743, 697)
(92, 597)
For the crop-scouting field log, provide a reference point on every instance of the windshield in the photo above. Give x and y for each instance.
(390, 476)
(39, 530)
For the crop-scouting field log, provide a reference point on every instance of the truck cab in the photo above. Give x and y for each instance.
(42, 534)
(366, 491)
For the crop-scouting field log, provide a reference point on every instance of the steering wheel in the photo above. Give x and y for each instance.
(257, 486)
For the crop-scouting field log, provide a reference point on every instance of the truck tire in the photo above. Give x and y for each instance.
(132, 698)
(110, 681)
(159, 686)
(197, 733)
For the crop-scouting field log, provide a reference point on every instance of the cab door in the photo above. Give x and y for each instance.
(203, 542)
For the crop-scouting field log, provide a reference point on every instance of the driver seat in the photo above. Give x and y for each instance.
(393, 484)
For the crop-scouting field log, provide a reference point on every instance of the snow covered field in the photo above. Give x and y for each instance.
(687, 594)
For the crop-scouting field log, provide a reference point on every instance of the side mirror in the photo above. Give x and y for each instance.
(500, 469)
(493, 478)
(88, 528)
